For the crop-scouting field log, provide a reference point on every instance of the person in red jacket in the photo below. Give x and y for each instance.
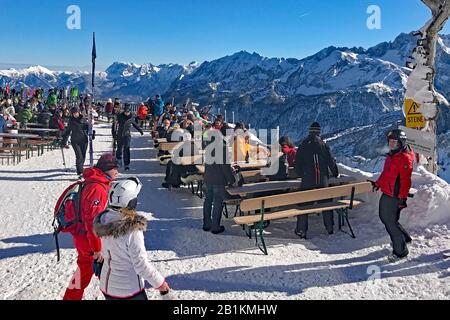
(394, 183)
(143, 112)
(94, 199)
(288, 148)
(109, 108)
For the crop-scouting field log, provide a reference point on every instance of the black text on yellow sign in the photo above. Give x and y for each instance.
(414, 119)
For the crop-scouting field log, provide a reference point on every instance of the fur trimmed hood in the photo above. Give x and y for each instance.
(112, 223)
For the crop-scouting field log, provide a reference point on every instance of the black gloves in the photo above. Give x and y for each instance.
(97, 268)
(402, 204)
(93, 134)
(374, 186)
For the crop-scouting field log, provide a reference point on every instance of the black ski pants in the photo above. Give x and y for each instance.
(390, 215)
(123, 148)
(328, 216)
(80, 149)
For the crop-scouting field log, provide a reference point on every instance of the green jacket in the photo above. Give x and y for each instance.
(25, 115)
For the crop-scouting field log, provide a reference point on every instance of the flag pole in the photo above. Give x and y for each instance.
(91, 131)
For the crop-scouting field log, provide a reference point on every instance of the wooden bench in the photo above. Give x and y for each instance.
(168, 146)
(257, 222)
(253, 176)
(12, 152)
(38, 144)
(158, 141)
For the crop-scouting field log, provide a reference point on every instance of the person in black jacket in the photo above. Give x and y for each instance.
(44, 117)
(313, 164)
(77, 129)
(217, 176)
(125, 120)
(116, 112)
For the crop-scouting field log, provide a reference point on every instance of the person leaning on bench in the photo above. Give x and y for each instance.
(312, 163)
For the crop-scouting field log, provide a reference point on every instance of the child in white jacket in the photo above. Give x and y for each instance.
(126, 266)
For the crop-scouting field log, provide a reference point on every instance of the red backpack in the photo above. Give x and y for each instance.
(67, 213)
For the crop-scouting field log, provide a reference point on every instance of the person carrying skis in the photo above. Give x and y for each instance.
(125, 120)
(313, 162)
(395, 183)
(121, 229)
(77, 129)
(94, 199)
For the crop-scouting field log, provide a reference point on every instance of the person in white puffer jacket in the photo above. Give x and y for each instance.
(126, 266)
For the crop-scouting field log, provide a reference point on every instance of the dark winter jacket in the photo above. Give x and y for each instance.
(395, 180)
(151, 106)
(219, 174)
(44, 118)
(56, 122)
(163, 132)
(314, 162)
(77, 128)
(109, 108)
(124, 125)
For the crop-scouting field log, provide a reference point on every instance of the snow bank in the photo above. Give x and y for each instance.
(430, 205)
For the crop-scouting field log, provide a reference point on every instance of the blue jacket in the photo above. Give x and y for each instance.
(159, 107)
(2, 124)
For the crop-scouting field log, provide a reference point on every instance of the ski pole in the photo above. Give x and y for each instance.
(64, 158)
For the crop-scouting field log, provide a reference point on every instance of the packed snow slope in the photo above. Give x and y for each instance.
(200, 265)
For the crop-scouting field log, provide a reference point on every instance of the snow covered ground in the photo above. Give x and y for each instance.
(200, 265)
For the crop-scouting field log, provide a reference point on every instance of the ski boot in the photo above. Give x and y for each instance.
(393, 258)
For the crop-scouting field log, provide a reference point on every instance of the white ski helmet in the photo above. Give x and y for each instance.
(124, 193)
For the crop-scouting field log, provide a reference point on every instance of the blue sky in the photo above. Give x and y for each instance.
(181, 31)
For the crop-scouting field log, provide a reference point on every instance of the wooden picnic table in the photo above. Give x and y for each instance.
(19, 136)
(251, 165)
(40, 131)
(253, 188)
(161, 140)
(35, 125)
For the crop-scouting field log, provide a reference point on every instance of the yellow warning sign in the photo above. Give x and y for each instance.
(414, 119)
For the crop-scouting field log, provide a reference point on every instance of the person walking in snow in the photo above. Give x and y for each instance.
(313, 163)
(126, 266)
(94, 199)
(395, 183)
(125, 120)
(77, 129)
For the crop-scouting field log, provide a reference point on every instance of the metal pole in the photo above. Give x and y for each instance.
(233, 116)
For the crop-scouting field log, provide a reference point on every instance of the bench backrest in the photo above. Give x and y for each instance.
(305, 196)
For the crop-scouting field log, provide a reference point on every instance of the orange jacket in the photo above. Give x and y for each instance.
(142, 112)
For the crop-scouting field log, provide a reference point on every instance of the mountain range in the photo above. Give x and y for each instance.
(356, 94)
